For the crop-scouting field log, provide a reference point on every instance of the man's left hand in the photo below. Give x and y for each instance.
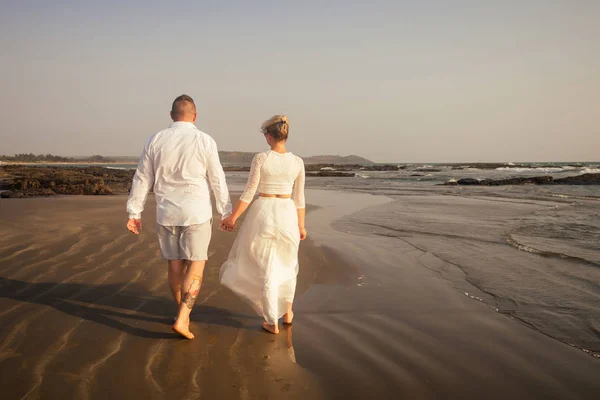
(134, 225)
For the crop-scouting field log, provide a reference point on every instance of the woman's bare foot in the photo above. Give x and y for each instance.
(288, 317)
(183, 329)
(274, 329)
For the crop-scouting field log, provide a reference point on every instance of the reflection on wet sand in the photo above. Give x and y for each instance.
(288, 342)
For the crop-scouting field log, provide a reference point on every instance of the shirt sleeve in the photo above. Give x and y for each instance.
(298, 193)
(253, 178)
(218, 184)
(142, 183)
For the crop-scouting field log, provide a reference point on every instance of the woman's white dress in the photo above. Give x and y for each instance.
(263, 262)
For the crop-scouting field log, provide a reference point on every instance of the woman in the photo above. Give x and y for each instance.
(263, 262)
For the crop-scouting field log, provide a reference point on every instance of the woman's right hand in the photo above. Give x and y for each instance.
(303, 233)
(228, 224)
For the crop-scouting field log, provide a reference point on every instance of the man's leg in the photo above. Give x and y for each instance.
(193, 244)
(189, 292)
(168, 239)
(176, 275)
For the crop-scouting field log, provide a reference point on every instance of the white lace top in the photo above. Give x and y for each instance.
(276, 173)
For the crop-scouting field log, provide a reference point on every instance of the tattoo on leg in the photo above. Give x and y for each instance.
(189, 297)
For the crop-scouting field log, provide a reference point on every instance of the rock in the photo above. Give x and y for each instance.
(12, 195)
(468, 181)
(536, 180)
(18, 194)
(34, 181)
(585, 179)
(428, 170)
(332, 174)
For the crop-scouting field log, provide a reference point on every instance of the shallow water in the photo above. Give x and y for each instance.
(531, 259)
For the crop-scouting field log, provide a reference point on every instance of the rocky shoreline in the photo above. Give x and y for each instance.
(584, 179)
(20, 181)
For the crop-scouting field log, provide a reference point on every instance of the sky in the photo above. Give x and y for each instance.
(392, 81)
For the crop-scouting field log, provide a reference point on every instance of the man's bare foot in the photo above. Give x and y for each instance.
(288, 317)
(183, 329)
(274, 329)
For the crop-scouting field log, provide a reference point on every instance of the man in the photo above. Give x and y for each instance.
(181, 161)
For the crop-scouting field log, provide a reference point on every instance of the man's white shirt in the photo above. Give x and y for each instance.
(180, 162)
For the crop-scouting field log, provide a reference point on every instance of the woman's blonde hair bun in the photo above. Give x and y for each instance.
(277, 127)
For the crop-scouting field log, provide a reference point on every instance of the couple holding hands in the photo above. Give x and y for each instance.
(180, 163)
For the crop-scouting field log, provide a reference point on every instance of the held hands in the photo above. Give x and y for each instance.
(228, 224)
(134, 225)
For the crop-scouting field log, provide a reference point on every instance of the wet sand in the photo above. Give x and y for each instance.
(85, 313)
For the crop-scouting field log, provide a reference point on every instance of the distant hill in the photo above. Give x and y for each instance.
(240, 158)
(228, 158)
(338, 160)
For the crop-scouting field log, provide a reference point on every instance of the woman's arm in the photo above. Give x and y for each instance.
(301, 214)
(299, 199)
(240, 207)
(249, 192)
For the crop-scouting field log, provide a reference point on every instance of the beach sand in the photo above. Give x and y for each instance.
(85, 313)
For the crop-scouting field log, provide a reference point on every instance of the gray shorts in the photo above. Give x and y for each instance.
(185, 242)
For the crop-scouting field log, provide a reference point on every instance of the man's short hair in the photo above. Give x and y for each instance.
(179, 104)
